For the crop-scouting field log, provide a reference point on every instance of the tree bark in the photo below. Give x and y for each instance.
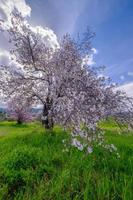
(19, 122)
(47, 120)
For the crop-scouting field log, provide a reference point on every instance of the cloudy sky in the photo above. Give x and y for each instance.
(111, 20)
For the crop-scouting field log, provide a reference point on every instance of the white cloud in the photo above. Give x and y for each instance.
(7, 6)
(48, 35)
(130, 73)
(94, 50)
(89, 59)
(4, 57)
(128, 88)
(6, 60)
(11, 64)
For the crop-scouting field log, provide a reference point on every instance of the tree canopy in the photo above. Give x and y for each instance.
(60, 78)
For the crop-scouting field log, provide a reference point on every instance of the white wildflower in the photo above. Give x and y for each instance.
(89, 149)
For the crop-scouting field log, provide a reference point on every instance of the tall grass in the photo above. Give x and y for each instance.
(34, 166)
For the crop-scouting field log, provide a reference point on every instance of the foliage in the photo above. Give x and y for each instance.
(34, 166)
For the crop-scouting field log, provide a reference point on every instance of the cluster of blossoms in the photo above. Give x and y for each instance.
(80, 146)
(87, 143)
(76, 143)
(89, 147)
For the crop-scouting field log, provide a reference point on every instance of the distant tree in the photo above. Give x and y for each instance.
(19, 109)
(71, 92)
(2, 115)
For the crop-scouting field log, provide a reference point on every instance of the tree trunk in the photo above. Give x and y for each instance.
(19, 122)
(47, 120)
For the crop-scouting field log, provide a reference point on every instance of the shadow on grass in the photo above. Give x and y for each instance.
(20, 125)
(13, 124)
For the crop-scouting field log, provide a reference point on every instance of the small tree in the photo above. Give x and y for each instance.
(19, 109)
(2, 115)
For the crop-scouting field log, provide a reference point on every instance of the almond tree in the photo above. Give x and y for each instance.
(19, 109)
(71, 92)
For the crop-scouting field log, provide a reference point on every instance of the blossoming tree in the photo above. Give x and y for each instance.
(60, 78)
(19, 109)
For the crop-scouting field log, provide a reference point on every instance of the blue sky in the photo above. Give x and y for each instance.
(111, 20)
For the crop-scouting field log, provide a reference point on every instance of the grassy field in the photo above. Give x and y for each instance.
(34, 166)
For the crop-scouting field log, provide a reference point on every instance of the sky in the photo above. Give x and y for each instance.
(111, 20)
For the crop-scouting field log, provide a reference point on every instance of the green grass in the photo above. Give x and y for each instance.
(34, 166)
